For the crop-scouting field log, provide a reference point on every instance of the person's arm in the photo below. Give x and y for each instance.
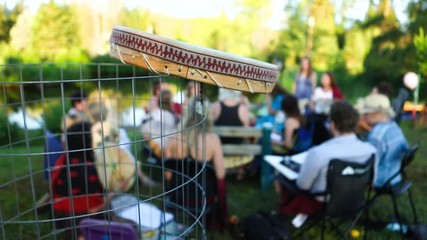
(314, 80)
(244, 115)
(291, 125)
(218, 156)
(294, 86)
(309, 171)
(337, 94)
(216, 110)
(288, 141)
(219, 166)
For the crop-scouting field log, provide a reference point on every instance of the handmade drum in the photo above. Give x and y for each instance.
(167, 56)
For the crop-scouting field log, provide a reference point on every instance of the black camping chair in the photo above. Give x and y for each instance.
(397, 189)
(345, 194)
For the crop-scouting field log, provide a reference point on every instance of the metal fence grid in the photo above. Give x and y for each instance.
(35, 99)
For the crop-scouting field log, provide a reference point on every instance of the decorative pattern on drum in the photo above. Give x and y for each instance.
(162, 55)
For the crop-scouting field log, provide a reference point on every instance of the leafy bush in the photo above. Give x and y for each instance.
(53, 115)
(9, 132)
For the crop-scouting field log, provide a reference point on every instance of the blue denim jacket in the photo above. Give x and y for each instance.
(391, 145)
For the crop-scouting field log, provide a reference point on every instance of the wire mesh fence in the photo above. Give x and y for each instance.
(84, 153)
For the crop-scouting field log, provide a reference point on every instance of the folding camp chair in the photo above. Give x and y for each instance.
(345, 195)
(397, 189)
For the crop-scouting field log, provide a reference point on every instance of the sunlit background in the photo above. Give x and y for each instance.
(362, 42)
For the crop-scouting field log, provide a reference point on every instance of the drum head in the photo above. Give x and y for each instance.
(166, 56)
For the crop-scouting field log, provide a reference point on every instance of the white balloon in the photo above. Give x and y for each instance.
(411, 80)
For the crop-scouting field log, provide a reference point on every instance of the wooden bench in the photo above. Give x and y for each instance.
(237, 155)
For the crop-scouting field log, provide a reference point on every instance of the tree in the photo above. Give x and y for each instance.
(322, 30)
(8, 19)
(387, 56)
(420, 43)
(19, 37)
(54, 31)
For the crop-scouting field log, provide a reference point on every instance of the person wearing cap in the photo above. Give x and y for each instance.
(385, 135)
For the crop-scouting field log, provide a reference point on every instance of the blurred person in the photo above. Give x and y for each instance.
(162, 121)
(306, 80)
(328, 90)
(102, 110)
(385, 135)
(272, 112)
(294, 120)
(322, 99)
(76, 169)
(230, 111)
(313, 173)
(77, 112)
(197, 145)
(153, 103)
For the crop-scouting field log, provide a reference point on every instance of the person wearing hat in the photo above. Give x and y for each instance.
(385, 135)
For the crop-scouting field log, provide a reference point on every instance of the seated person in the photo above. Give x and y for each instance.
(76, 169)
(270, 112)
(77, 112)
(385, 135)
(162, 121)
(190, 146)
(157, 87)
(230, 111)
(106, 132)
(312, 177)
(294, 120)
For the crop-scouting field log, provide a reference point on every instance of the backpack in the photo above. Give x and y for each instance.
(260, 226)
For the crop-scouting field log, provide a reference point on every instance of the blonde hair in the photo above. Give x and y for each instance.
(197, 119)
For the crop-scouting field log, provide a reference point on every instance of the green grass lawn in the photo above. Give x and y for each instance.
(22, 183)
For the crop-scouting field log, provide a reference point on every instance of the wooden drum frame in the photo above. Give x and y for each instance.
(166, 56)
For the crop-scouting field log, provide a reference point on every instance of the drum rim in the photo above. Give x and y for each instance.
(270, 69)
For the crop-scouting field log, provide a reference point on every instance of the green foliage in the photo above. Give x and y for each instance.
(54, 32)
(9, 132)
(388, 50)
(420, 43)
(8, 18)
(417, 16)
(55, 110)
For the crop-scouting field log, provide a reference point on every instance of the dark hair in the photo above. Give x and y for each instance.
(332, 78)
(310, 68)
(77, 97)
(385, 88)
(156, 86)
(165, 100)
(78, 138)
(344, 116)
(290, 107)
(278, 89)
